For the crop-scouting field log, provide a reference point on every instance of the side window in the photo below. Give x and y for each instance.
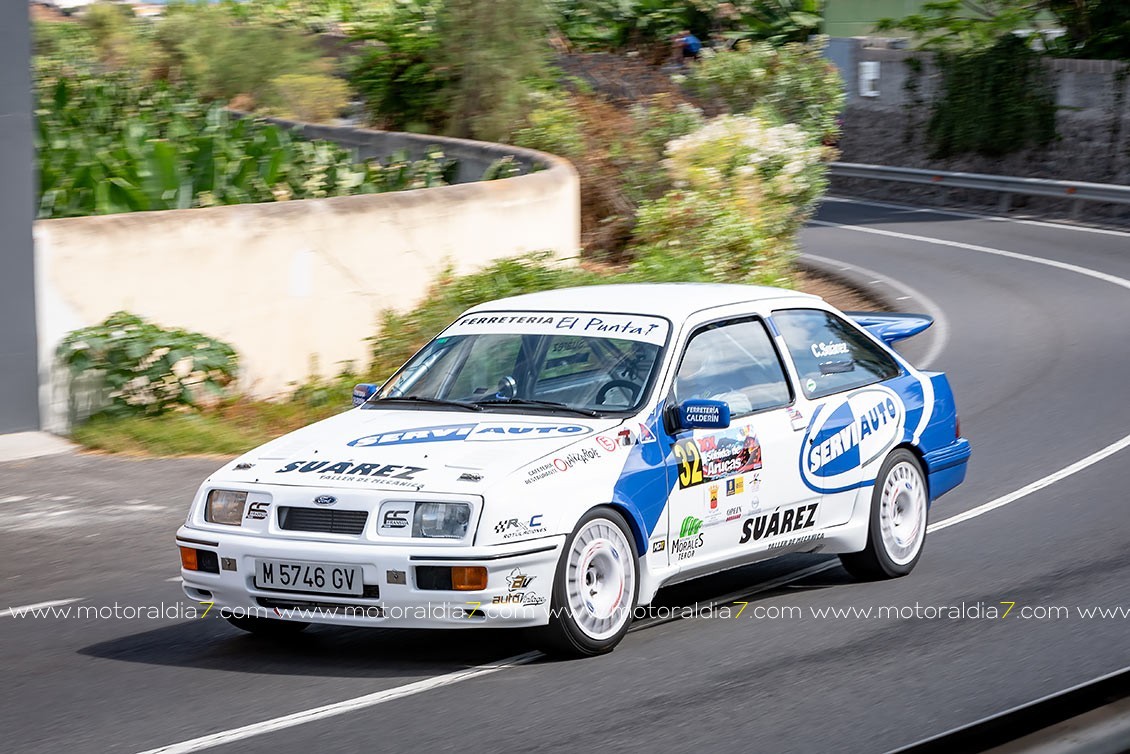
(830, 354)
(733, 362)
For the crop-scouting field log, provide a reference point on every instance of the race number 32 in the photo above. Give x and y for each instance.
(690, 463)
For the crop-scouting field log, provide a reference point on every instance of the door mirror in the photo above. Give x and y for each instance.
(702, 414)
(363, 392)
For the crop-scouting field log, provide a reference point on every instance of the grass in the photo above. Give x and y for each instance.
(228, 429)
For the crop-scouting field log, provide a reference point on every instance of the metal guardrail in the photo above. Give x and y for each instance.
(1076, 191)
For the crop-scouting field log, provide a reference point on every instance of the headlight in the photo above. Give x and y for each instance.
(447, 520)
(225, 507)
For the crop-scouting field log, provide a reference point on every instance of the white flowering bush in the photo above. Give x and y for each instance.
(743, 186)
(753, 158)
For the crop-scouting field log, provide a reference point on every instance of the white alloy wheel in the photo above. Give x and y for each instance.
(902, 512)
(601, 579)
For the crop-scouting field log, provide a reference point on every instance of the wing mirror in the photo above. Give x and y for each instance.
(363, 392)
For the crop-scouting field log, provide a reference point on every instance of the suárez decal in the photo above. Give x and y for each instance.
(603, 325)
(388, 474)
(716, 456)
(850, 435)
(472, 432)
(779, 522)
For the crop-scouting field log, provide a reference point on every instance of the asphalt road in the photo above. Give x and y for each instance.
(1036, 345)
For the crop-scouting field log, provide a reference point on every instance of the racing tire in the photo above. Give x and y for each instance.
(595, 588)
(267, 627)
(896, 533)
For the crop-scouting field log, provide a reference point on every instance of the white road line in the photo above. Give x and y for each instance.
(175, 578)
(340, 708)
(37, 606)
(1112, 279)
(941, 324)
(979, 216)
(1039, 484)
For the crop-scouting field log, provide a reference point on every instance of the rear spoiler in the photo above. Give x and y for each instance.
(890, 327)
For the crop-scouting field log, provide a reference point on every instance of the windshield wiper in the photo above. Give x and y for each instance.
(541, 404)
(433, 401)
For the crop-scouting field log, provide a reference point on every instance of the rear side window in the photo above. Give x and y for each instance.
(830, 354)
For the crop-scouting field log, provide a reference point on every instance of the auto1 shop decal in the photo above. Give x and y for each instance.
(849, 435)
(478, 432)
(717, 455)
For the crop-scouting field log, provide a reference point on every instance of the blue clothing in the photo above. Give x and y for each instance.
(692, 44)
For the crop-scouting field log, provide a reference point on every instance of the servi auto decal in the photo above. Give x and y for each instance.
(473, 432)
(849, 434)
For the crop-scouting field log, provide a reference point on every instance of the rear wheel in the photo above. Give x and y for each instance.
(594, 589)
(268, 627)
(897, 530)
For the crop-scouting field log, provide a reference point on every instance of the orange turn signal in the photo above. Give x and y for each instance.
(188, 559)
(468, 578)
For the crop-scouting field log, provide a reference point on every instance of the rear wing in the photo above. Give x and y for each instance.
(890, 327)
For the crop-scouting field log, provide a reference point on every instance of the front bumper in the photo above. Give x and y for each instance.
(519, 582)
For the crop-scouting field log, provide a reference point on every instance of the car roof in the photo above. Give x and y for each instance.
(677, 301)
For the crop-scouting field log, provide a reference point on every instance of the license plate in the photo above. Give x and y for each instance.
(308, 577)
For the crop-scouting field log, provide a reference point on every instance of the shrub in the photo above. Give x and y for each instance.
(552, 126)
(221, 58)
(775, 171)
(396, 73)
(140, 368)
(743, 188)
(795, 81)
(310, 97)
(496, 52)
(703, 236)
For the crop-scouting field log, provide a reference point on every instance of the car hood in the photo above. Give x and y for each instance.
(439, 451)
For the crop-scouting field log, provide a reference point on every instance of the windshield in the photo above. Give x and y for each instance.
(536, 361)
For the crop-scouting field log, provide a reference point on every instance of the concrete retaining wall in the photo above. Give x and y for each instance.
(298, 286)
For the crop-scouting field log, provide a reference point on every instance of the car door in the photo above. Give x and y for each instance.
(736, 490)
(854, 397)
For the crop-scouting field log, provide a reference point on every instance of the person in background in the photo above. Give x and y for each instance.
(687, 47)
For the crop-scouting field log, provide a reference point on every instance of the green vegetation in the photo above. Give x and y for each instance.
(108, 145)
(618, 24)
(457, 66)
(794, 81)
(135, 368)
(992, 101)
(132, 118)
(1093, 28)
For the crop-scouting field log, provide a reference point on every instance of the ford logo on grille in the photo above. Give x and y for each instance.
(325, 500)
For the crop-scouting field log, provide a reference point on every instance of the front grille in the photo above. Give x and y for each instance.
(322, 520)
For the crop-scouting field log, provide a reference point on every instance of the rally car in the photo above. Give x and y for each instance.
(549, 461)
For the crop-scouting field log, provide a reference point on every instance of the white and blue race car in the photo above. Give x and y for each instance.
(551, 460)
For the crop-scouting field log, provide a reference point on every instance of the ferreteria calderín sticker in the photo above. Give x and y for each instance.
(849, 434)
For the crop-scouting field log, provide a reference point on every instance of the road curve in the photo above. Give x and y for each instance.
(1035, 342)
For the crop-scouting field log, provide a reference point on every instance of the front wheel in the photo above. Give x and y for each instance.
(897, 529)
(594, 589)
